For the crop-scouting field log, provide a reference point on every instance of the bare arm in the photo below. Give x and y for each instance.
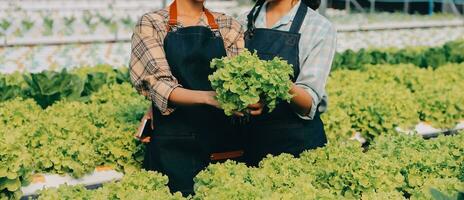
(184, 97)
(301, 101)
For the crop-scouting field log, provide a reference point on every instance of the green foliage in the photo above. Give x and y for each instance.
(110, 22)
(60, 145)
(15, 162)
(68, 22)
(351, 177)
(421, 161)
(454, 51)
(27, 24)
(81, 130)
(337, 124)
(128, 22)
(439, 189)
(413, 55)
(441, 97)
(49, 87)
(90, 21)
(358, 105)
(5, 24)
(134, 186)
(379, 98)
(48, 23)
(9, 91)
(434, 57)
(382, 195)
(245, 79)
(15, 159)
(423, 57)
(393, 168)
(276, 178)
(72, 137)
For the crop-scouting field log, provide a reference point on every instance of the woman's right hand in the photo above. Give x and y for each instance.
(210, 99)
(149, 117)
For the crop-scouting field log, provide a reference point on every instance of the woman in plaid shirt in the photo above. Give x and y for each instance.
(171, 52)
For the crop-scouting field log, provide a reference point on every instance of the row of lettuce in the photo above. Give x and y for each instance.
(73, 136)
(424, 57)
(379, 99)
(69, 137)
(49, 87)
(394, 167)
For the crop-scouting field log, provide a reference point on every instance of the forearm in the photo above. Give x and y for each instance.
(185, 97)
(301, 101)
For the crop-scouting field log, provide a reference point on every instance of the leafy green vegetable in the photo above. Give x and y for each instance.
(437, 188)
(15, 163)
(75, 137)
(9, 91)
(134, 186)
(454, 51)
(423, 57)
(245, 79)
(49, 87)
(48, 23)
(27, 24)
(343, 171)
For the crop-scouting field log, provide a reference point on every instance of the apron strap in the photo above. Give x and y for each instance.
(299, 18)
(211, 21)
(173, 17)
(296, 24)
(253, 14)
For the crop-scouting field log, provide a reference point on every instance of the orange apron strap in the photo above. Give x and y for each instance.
(211, 21)
(173, 17)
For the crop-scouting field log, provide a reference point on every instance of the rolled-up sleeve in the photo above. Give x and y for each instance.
(149, 70)
(316, 66)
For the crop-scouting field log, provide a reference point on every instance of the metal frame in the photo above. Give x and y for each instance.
(356, 5)
(446, 5)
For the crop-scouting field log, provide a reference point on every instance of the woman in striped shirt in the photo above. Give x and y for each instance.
(291, 29)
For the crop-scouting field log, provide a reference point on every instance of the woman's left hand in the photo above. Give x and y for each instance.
(256, 109)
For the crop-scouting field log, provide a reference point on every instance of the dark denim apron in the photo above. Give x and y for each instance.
(280, 131)
(183, 141)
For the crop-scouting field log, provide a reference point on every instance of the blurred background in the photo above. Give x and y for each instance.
(37, 35)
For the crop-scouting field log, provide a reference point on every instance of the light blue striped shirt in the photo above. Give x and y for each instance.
(317, 48)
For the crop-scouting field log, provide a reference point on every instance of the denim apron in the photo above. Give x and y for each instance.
(183, 141)
(280, 131)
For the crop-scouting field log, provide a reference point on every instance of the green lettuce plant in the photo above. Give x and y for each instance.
(136, 186)
(48, 24)
(48, 87)
(245, 79)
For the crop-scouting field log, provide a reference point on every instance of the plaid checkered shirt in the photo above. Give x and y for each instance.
(149, 69)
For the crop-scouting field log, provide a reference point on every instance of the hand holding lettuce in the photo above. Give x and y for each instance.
(245, 79)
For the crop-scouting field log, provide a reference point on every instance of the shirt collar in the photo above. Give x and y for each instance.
(286, 19)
